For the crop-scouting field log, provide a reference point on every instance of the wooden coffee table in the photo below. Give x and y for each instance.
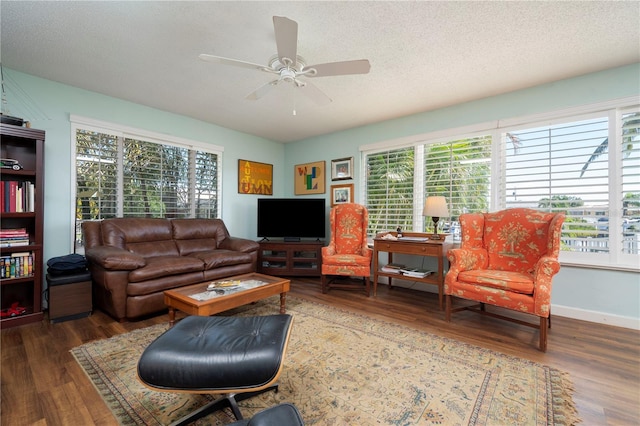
(229, 293)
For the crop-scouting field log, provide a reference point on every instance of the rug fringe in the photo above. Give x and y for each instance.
(564, 408)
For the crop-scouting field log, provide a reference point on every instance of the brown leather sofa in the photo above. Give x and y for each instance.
(133, 260)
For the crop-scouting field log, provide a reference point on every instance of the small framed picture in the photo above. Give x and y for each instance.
(341, 194)
(342, 168)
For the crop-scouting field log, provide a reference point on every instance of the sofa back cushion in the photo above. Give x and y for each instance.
(516, 239)
(148, 237)
(198, 235)
(92, 233)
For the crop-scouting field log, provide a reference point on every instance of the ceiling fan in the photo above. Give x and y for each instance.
(289, 67)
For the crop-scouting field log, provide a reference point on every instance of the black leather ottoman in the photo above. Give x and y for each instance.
(280, 415)
(236, 356)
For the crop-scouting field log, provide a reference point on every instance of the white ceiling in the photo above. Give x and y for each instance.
(424, 55)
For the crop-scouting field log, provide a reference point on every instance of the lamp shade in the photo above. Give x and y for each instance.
(435, 206)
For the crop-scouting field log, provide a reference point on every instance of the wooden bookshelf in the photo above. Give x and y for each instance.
(23, 287)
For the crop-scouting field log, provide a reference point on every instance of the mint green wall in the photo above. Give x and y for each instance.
(59, 101)
(582, 293)
(587, 293)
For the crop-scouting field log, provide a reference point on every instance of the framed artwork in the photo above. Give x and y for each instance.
(342, 168)
(309, 178)
(255, 178)
(341, 194)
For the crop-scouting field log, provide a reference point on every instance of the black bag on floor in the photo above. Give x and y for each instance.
(67, 265)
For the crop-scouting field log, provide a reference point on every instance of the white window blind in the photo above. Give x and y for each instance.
(562, 168)
(389, 189)
(155, 180)
(459, 170)
(206, 184)
(96, 175)
(630, 154)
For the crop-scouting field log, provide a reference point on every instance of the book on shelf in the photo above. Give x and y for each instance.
(392, 268)
(17, 196)
(14, 243)
(10, 232)
(416, 272)
(16, 265)
(14, 237)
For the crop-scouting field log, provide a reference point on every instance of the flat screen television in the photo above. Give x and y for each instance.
(291, 218)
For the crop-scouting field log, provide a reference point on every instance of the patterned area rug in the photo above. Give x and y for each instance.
(343, 368)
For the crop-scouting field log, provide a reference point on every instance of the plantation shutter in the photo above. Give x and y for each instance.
(155, 180)
(96, 175)
(459, 170)
(563, 168)
(206, 184)
(389, 190)
(630, 155)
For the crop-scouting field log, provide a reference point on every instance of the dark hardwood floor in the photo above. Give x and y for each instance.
(43, 385)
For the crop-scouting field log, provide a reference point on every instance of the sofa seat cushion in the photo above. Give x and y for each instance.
(161, 266)
(516, 282)
(218, 258)
(157, 285)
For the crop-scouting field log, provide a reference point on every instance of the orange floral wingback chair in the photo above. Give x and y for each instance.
(506, 259)
(347, 253)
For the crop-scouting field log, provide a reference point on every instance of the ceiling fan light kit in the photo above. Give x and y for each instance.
(290, 67)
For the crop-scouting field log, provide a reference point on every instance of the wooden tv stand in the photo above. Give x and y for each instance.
(290, 258)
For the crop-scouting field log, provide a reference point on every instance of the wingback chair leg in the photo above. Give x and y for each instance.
(543, 334)
(448, 302)
(323, 280)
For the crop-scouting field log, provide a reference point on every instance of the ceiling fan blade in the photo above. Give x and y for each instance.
(286, 38)
(261, 91)
(232, 62)
(315, 94)
(359, 66)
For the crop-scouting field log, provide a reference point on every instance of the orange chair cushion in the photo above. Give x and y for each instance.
(350, 230)
(515, 239)
(504, 280)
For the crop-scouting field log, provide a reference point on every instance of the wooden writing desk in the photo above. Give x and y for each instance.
(431, 248)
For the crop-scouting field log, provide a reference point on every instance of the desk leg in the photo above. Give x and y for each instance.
(283, 301)
(390, 260)
(440, 278)
(172, 316)
(375, 271)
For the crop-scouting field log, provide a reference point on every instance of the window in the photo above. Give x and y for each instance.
(584, 163)
(460, 170)
(119, 174)
(555, 169)
(390, 189)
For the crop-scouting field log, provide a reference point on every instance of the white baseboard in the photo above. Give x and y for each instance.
(559, 310)
(595, 316)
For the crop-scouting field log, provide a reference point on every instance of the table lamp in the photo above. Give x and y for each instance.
(436, 207)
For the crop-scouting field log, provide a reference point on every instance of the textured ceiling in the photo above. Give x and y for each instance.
(424, 55)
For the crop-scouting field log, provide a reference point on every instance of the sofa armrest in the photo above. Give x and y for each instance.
(543, 272)
(239, 244)
(467, 259)
(114, 258)
(329, 250)
(461, 260)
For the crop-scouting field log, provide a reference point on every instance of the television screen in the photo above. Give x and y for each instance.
(291, 218)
